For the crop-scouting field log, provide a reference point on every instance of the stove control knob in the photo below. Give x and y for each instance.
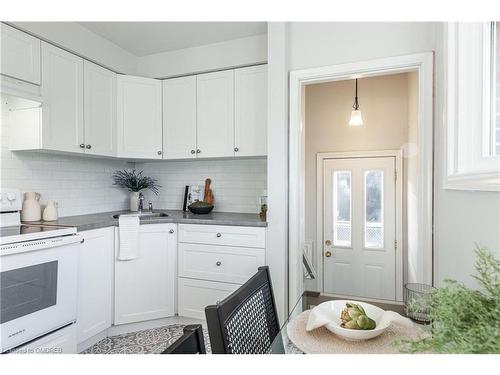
(11, 196)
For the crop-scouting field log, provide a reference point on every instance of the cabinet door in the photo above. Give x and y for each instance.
(20, 55)
(139, 117)
(95, 283)
(179, 118)
(99, 110)
(62, 92)
(215, 108)
(250, 111)
(145, 286)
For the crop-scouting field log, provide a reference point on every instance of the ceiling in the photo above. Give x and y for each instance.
(146, 38)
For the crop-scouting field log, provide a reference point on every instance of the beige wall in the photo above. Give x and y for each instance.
(384, 102)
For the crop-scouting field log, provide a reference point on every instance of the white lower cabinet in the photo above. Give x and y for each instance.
(95, 283)
(195, 295)
(214, 261)
(145, 286)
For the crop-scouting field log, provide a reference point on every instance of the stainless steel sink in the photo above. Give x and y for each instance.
(144, 215)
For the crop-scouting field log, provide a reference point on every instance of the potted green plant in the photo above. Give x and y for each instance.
(135, 182)
(464, 320)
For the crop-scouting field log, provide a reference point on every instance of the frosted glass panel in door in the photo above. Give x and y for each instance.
(374, 209)
(342, 208)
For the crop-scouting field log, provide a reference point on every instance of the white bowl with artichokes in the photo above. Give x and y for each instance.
(353, 320)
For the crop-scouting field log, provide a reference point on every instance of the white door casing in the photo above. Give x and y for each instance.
(359, 236)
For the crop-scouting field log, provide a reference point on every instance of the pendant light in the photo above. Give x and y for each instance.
(356, 118)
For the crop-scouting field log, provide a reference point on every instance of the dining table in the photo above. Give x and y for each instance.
(282, 343)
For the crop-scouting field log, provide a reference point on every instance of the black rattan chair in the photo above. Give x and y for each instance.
(191, 342)
(246, 322)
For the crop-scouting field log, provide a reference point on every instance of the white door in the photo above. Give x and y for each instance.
(179, 118)
(62, 92)
(20, 55)
(99, 110)
(215, 108)
(95, 283)
(139, 113)
(250, 111)
(359, 234)
(145, 286)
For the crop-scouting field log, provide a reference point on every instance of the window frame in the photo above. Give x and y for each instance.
(470, 164)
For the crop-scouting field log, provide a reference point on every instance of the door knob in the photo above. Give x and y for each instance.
(328, 242)
(328, 254)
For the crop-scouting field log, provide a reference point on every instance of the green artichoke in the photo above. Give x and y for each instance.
(353, 316)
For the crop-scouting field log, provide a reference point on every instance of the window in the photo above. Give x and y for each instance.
(374, 209)
(342, 208)
(472, 106)
(495, 64)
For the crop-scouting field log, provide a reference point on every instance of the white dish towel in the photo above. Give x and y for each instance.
(128, 228)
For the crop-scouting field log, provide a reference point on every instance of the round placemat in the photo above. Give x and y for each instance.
(322, 341)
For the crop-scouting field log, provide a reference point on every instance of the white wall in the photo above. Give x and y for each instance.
(79, 40)
(216, 56)
(237, 184)
(460, 217)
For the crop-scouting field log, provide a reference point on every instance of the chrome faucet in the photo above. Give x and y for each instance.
(141, 202)
(151, 206)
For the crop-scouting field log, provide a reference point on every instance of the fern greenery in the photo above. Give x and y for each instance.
(465, 320)
(135, 181)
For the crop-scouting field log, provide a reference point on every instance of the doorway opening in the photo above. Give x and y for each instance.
(361, 196)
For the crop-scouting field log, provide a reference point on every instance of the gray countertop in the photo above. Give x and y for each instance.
(105, 219)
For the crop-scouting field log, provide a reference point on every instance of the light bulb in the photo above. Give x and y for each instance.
(356, 118)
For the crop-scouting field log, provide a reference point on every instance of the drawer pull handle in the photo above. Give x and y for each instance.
(219, 235)
(218, 263)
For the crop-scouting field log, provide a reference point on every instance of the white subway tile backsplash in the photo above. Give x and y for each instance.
(83, 185)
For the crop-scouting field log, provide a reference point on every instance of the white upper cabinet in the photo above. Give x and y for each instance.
(179, 118)
(139, 117)
(99, 110)
(250, 111)
(20, 55)
(215, 109)
(62, 93)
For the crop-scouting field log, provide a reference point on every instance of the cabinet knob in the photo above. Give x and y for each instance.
(236, 149)
(171, 231)
(82, 145)
(218, 263)
(198, 151)
(193, 151)
(159, 152)
(219, 235)
(88, 147)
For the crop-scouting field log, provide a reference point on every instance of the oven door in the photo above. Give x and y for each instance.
(38, 288)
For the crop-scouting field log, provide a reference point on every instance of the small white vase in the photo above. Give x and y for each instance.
(134, 201)
(50, 211)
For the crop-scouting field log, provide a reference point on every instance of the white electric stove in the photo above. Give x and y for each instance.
(38, 277)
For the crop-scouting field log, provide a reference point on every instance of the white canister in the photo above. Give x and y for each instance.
(31, 210)
(50, 211)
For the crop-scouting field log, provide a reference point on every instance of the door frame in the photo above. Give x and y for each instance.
(320, 158)
(422, 63)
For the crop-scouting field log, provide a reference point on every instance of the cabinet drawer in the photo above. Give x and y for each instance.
(223, 235)
(219, 263)
(195, 295)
